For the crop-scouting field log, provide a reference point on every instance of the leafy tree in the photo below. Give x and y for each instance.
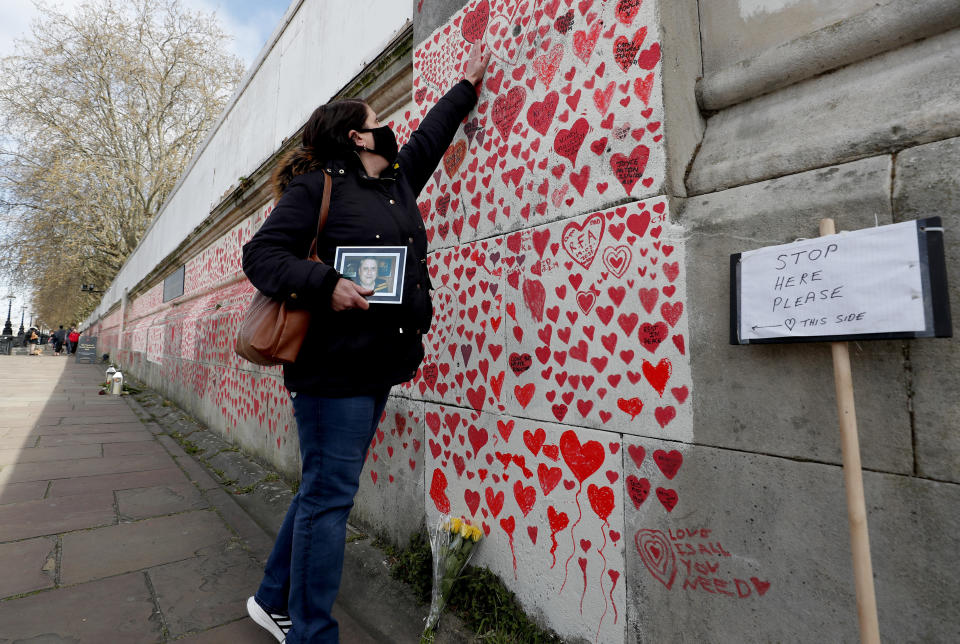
(101, 111)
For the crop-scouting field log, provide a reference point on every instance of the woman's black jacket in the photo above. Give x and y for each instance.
(356, 352)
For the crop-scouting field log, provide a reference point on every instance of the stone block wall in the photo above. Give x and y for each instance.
(869, 143)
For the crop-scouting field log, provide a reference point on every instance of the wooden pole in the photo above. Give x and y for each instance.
(853, 480)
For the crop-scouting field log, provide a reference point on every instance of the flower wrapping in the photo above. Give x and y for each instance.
(453, 542)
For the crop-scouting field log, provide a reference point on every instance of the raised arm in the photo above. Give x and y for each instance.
(422, 153)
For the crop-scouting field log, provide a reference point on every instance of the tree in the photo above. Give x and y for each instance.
(101, 112)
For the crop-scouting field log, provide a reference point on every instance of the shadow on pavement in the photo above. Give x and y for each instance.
(103, 535)
(111, 532)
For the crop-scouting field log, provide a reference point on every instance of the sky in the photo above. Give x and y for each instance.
(250, 22)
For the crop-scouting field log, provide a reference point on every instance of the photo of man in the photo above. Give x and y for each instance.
(377, 268)
(368, 275)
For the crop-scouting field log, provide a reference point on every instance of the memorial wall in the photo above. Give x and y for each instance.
(637, 477)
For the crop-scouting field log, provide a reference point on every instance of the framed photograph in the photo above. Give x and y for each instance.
(380, 268)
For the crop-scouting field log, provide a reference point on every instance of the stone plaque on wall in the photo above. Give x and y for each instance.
(173, 285)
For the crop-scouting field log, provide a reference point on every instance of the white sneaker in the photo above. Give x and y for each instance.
(276, 625)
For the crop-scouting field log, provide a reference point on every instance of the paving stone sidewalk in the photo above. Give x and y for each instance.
(110, 532)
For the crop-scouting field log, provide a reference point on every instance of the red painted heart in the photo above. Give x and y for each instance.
(625, 49)
(651, 335)
(668, 462)
(525, 496)
(658, 375)
(631, 406)
(524, 394)
(583, 460)
(494, 501)
(519, 362)
(453, 157)
(601, 500)
(540, 114)
(581, 241)
(617, 259)
(549, 477)
(585, 41)
(627, 10)
(475, 22)
(665, 414)
(472, 500)
(534, 296)
(558, 520)
(534, 440)
(567, 142)
(438, 491)
(649, 58)
(506, 108)
(638, 489)
(629, 169)
(668, 498)
(546, 66)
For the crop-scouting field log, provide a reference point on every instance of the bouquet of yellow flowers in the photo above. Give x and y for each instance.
(453, 542)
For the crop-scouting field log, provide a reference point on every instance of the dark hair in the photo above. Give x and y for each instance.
(324, 137)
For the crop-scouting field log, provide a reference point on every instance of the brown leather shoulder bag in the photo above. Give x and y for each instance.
(270, 333)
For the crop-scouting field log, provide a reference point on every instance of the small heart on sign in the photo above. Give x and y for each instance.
(790, 323)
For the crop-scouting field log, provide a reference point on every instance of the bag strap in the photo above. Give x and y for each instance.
(324, 213)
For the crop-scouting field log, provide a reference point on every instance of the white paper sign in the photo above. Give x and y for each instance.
(852, 283)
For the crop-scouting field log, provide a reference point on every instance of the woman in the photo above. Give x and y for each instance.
(34, 341)
(72, 339)
(337, 398)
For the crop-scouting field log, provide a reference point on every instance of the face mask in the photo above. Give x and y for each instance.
(384, 142)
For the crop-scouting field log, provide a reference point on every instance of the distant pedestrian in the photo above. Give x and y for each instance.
(72, 339)
(59, 337)
(33, 338)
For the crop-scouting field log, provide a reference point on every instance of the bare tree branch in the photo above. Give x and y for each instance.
(101, 111)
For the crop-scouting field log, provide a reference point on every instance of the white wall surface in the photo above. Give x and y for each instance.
(317, 48)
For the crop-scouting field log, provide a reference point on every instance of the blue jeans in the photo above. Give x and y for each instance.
(302, 576)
